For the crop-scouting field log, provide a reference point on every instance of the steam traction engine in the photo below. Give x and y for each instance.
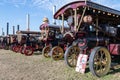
(29, 42)
(54, 41)
(96, 33)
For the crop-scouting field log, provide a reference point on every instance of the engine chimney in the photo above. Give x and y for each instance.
(13, 29)
(54, 10)
(28, 22)
(18, 27)
(7, 29)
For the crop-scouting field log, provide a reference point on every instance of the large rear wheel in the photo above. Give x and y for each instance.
(28, 51)
(22, 48)
(99, 61)
(57, 53)
(71, 55)
(46, 51)
(17, 48)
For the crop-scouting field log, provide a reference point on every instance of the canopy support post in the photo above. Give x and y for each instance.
(97, 25)
(75, 19)
(62, 30)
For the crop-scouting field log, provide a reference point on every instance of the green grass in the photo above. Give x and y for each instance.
(70, 73)
(87, 76)
(112, 75)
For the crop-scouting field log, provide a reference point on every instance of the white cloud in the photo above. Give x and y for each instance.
(113, 4)
(15, 3)
(116, 6)
(47, 4)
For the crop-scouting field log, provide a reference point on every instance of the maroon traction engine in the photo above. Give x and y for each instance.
(55, 42)
(98, 31)
(28, 42)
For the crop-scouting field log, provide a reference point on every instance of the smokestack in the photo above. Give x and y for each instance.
(13, 29)
(54, 10)
(7, 28)
(18, 27)
(28, 22)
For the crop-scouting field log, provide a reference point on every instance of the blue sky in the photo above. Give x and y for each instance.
(15, 11)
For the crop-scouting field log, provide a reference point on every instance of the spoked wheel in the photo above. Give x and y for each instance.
(71, 56)
(28, 51)
(22, 49)
(46, 51)
(13, 48)
(16, 49)
(57, 53)
(6, 47)
(99, 61)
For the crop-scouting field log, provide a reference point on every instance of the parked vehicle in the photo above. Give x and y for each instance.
(28, 42)
(95, 31)
(4, 42)
(55, 42)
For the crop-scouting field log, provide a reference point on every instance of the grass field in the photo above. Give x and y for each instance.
(16, 66)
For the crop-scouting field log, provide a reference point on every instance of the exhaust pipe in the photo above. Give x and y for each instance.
(18, 27)
(13, 29)
(28, 22)
(7, 29)
(54, 10)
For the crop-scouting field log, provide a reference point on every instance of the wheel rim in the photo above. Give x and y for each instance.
(17, 48)
(46, 51)
(22, 49)
(57, 53)
(71, 56)
(28, 51)
(6, 47)
(100, 62)
(13, 48)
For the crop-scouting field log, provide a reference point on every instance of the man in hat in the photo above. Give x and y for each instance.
(44, 29)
